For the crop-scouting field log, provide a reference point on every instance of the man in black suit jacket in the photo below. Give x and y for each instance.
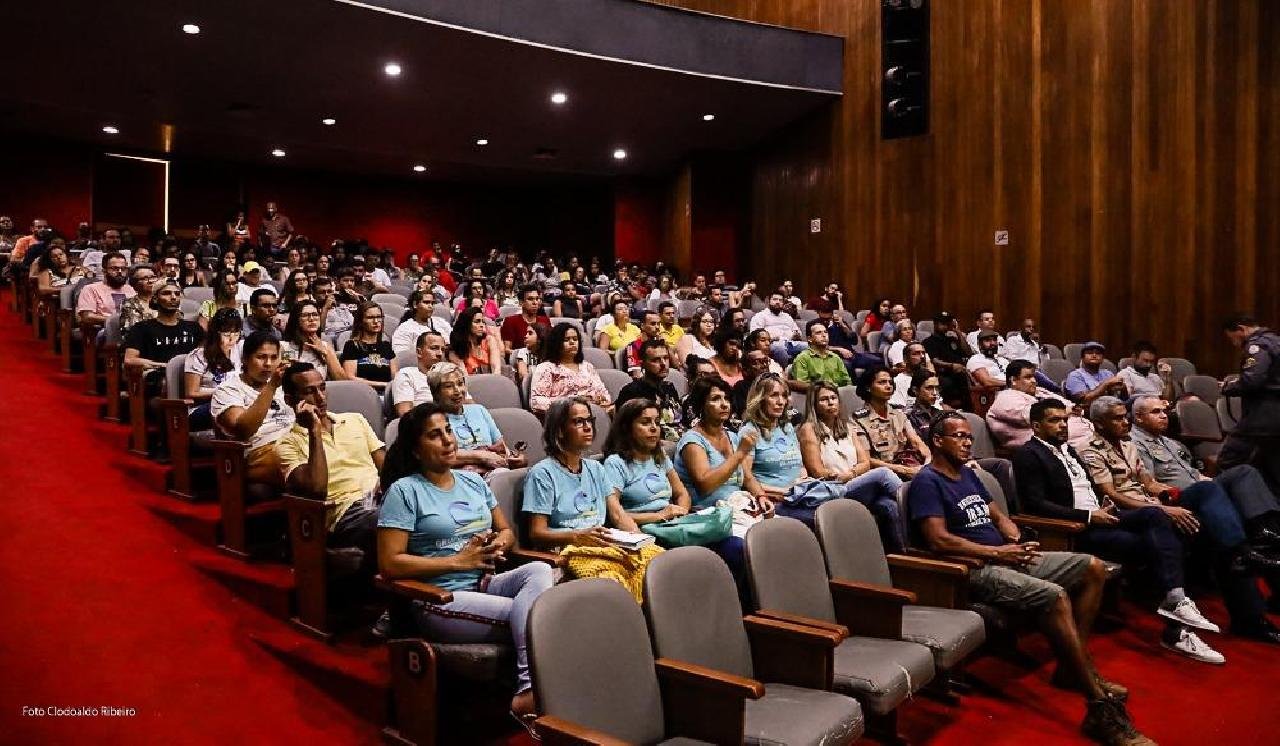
(1053, 482)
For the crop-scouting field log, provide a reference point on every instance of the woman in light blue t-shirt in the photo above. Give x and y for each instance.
(711, 460)
(481, 448)
(647, 485)
(569, 498)
(443, 526)
(776, 462)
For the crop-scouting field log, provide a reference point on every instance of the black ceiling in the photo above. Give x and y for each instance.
(262, 75)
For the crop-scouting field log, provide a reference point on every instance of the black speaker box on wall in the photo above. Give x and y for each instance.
(904, 68)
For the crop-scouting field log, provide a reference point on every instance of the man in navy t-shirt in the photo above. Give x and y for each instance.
(954, 514)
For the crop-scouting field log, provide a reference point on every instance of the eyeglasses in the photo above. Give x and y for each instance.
(962, 437)
(373, 318)
(582, 422)
(235, 334)
(309, 315)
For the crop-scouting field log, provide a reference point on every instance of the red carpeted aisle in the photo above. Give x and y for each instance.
(104, 604)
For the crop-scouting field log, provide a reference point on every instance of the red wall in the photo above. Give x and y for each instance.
(720, 203)
(637, 223)
(42, 181)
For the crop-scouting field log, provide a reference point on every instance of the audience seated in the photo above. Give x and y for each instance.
(570, 497)
(650, 329)
(1090, 380)
(914, 361)
(480, 445)
(782, 327)
(514, 328)
(1202, 512)
(1009, 418)
(956, 517)
(950, 355)
(564, 372)
(985, 321)
(671, 332)
(225, 286)
(1146, 377)
(699, 340)
(474, 344)
(250, 281)
(208, 365)
(883, 428)
(101, 299)
(420, 319)
(987, 366)
(367, 355)
(335, 457)
(832, 453)
(1025, 345)
(759, 339)
(250, 407)
(889, 330)
(653, 387)
(263, 307)
(926, 402)
(904, 335)
(755, 363)
(444, 526)
(775, 464)
(303, 341)
(619, 332)
(410, 387)
(728, 357)
(164, 334)
(818, 363)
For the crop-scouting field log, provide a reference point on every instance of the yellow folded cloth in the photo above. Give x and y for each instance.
(614, 563)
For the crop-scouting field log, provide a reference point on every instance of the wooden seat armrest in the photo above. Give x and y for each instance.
(792, 653)
(870, 610)
(226, 445)
(803, 621)
(415, 590)
(560, 732)
(1055, 525)
(935, 582)
(707, 679)
(185, 404)
(293, 501)
(928, 564)
(521, 555)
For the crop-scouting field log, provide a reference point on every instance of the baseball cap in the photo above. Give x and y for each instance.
(988, 333)
(250, 267)
(1093, 345)
(943, 317)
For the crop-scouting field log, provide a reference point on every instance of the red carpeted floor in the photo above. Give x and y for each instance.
(105, 604)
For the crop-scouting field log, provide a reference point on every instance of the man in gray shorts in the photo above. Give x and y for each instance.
(953, 512)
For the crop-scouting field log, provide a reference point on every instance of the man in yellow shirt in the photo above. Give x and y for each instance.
(671, 329)
(334, 457)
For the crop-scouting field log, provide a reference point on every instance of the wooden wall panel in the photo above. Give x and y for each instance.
(1129, 146)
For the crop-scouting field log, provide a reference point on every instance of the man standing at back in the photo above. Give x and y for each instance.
(276, 231)
(1256, 437)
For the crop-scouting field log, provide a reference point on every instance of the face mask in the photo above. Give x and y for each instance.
(1142, 370)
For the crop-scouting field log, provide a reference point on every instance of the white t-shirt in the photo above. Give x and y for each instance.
(234, 392)
(245, 292)
(1139, 385)
(196, 363)
(994, 365)
(1017, 348)
(1082, 493)
(289, 351)
(973, 342)
(781, 326)
(406, 335)
(410, 385)
(901, 383)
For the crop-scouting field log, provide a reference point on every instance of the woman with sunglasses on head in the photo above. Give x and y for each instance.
(226, 284)
(443, 526)
(831, 452)
(368, 356)
(569, 497)
(474, 344)
(210, 364)
(303, 341)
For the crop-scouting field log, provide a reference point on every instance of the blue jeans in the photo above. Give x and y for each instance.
(1143, 535)
(878, 490)
(785, 350)
(1218, 517)
(732, 550)
(497, 614)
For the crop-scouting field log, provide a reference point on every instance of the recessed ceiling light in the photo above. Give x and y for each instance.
(111, 129)
(190, 28)
(619, 154)
(392, 69)
(278, 152)
(559, 97)
(328, 121)
(482, 141)
(708, 117)
(419, 168)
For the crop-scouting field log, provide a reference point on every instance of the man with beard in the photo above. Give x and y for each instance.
(654, 386)
(1144, 377)
(102, 299)
(153, 342)
(949, 354)
(782, 328)
(988, 366)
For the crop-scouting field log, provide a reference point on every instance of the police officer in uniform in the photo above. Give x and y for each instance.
(1256, 438)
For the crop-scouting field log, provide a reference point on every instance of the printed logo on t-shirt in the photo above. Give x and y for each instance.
(975, 510)
(466, 517)
(655, 483)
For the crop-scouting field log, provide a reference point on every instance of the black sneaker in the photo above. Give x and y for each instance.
(1107, 722)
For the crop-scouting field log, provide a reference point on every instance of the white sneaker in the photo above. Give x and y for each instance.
(1195, 648)
(1185, 612)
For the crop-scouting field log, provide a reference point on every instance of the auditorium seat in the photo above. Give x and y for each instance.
(695, 617)
(519, 425)
(632, 698)
(493, 391)
(874, 664)
(598, 358)
(614, 381)
(1204, 388)
(852, 549)
(1201, 430)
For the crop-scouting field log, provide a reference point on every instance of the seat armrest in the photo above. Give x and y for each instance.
(1054, 534)
(935, 582)
(556, 731)
(791, 653)
(803, 621)
(701, 677)
(415, 590)
(870, 610)
(704, 704)
(519, 555)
